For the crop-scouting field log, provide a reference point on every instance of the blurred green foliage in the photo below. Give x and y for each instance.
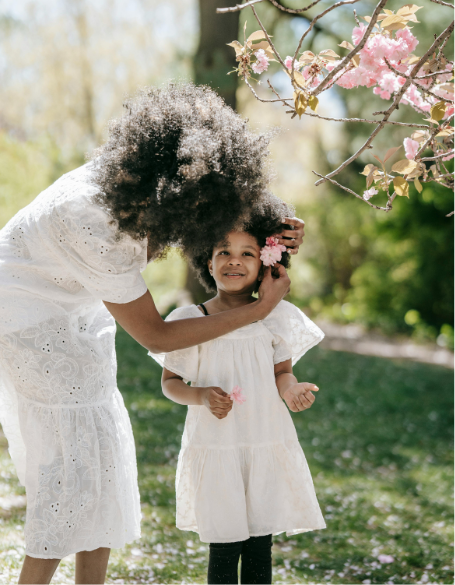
(390, 271)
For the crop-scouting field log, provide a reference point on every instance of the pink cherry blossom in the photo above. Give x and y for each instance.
(288, 63)
(389, 82)
(385, 95)
(368, 194)
(386, 559)
(236, 395)
(271, 252)
(409, 39)
(411, 147)
(262, 62)
(450, 156)
(358, 33)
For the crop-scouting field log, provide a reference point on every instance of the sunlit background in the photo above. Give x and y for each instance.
(65, 68)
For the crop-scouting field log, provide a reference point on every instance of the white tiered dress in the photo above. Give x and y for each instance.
(68, 431)
(245, 475)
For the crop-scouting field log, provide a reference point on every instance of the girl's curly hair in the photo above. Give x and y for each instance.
(180, 168)
(265, 219)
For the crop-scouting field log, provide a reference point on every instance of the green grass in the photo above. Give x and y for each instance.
(379, 444)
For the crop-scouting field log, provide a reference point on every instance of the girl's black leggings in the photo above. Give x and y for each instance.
(256, 553)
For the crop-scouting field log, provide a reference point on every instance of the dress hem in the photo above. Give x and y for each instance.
(73, 552)
(289, 532)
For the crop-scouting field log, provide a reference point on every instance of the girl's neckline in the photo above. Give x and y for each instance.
(204, 309)
(207, 314)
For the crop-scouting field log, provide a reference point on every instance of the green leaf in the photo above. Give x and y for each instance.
(437, 111)
(418, 185)
(258, 35)
(313, 102)
(401, 187)
(404, 166)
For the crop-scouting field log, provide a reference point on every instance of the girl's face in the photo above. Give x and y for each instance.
(235, 266)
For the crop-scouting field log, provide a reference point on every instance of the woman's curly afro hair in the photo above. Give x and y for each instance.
(180, 168)
(265, 219)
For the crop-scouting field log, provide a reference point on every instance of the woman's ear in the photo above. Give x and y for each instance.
(210, 265)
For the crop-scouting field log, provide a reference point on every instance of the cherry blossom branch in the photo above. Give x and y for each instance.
(430, 180)
(294, 10)
(433, 133)
(354, 51)
(442, 3)
(353, 193)
(438, 156)
(395, 103)
(420, 87)
(392, 122)
(308, 85)
(237, 7)
(267, 101)
(283, 100)
(430, 74)
(272, 46)
(312, 23)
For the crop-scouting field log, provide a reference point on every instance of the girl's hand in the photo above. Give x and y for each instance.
(292, 239)
(299, 397)
(273, 289)
(217, 401)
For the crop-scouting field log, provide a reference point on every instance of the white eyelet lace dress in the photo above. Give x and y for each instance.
(245, 475)
(68, 430)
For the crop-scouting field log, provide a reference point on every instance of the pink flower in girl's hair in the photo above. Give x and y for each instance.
(271, 252)
(236, 395)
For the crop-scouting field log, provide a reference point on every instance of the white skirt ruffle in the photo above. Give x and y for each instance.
(229, 494)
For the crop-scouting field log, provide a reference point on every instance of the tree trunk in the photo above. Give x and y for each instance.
(212, 63)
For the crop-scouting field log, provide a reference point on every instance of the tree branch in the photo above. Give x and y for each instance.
(388, 208)
(395, 103)
(354, 51)
(237, 7)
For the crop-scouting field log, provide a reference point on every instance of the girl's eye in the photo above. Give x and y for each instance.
(223, 252)
(247, 253)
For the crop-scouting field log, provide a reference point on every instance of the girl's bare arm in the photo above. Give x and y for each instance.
(298, 396)
(142, 321)
(214, 398)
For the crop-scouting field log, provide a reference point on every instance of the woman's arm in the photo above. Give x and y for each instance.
(142, 321)
(297, 395)
(214, 398)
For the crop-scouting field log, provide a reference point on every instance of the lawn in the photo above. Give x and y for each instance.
(379, 444)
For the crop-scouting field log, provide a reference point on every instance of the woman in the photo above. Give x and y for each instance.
(178, 167)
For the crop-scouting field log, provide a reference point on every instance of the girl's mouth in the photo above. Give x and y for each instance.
(233, 274)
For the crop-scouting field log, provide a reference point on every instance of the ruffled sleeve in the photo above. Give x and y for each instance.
(84, 241)
(294, 333)
(183, 362)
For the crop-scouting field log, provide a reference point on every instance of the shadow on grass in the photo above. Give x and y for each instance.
(379, 444)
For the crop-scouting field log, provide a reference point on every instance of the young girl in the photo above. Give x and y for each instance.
(242, 475)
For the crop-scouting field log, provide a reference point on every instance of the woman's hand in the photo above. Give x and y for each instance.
(299, 396)
(273, 288)
(292, 239)
(217, 401)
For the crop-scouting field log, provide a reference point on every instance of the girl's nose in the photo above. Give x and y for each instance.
(234, 261)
